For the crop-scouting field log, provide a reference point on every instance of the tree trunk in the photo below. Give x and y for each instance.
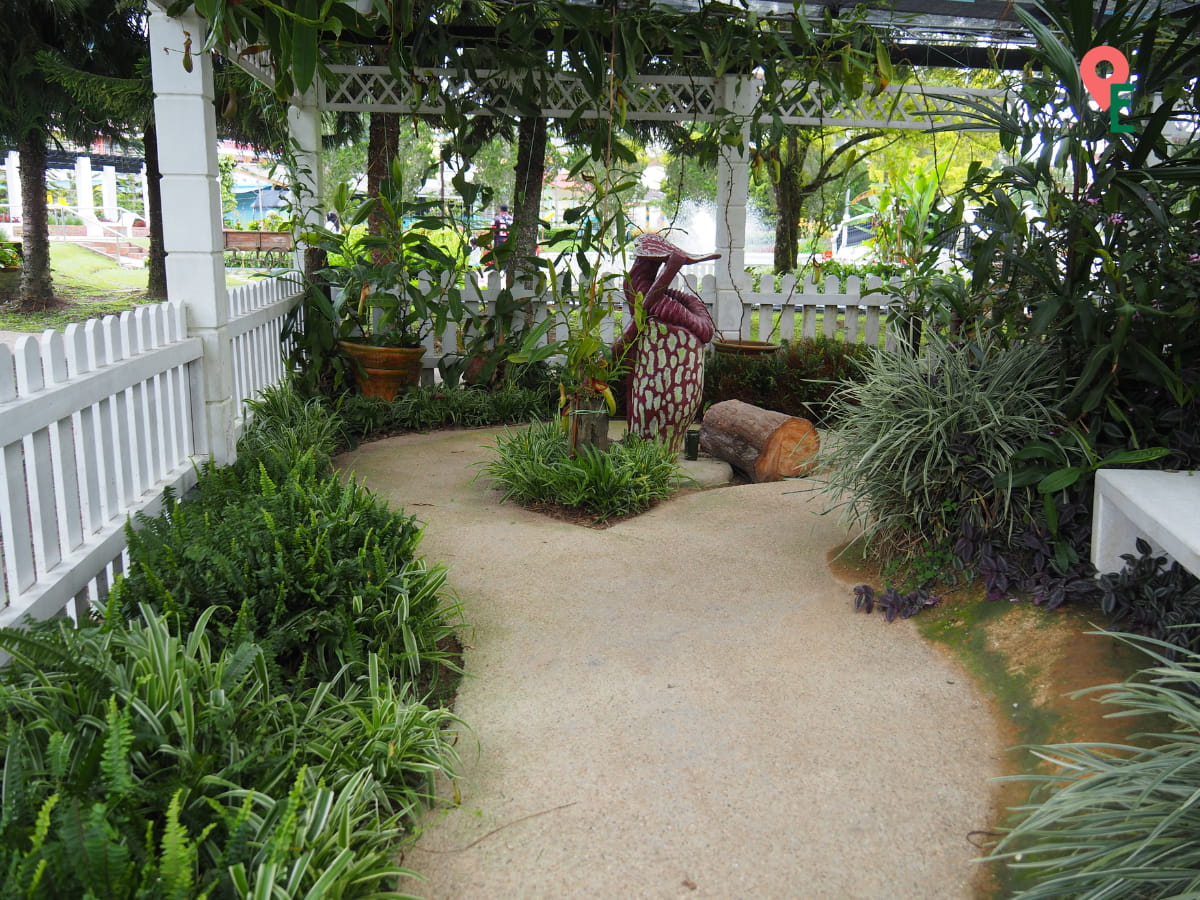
(156, 284)
(383, 143)
(37, 288)
(792, 192)
(788, 201)
(527, 193)
(762, 444)
(587, 424)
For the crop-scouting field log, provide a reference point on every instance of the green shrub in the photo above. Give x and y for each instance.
(926, 442)
(243, 723)
(422, 409)
(142, 762)
(319, 571)
(284, 427)
(1120, 821)
(800, 380)
(532, 465)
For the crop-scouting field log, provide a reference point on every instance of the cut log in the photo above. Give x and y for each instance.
(762, 444)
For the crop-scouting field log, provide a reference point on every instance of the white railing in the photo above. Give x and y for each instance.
(258, 311)
(856, 314)
(95, 423)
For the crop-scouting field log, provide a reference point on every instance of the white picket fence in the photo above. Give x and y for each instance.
(856, 315)
(805, 308)
(95, 422)
(259, 310)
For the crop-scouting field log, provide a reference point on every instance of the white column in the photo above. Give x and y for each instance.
(192, 233)
(304, 127)
(12, 175)
(108, 193)
(85, 199)
(145, 195)
(739, 94)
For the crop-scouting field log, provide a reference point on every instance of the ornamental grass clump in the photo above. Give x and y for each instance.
(1113, 820)
(285, 427)
(927, 441)
(533, 466)
(145, 760)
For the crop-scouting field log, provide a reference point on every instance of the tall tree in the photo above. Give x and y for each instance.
(124, 104)
(796, 182)
(31, 106)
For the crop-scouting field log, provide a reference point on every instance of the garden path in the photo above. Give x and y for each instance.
(685, 704)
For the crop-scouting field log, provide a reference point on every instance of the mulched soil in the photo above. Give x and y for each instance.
(581, 517)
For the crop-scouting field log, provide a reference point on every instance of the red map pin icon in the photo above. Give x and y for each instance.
(1098, 85)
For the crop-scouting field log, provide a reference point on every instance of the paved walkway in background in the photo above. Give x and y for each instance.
(685, 704)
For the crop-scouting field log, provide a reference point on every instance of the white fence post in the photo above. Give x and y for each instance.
(183, 106)
(733, 188)
(108, 192)
(304, 127)
(85, 197)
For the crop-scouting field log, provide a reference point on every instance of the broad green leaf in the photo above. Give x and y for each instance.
(1134, 457)
(1060, 480)
(1050, 511)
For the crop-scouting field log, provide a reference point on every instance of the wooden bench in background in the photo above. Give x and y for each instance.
(264, 246)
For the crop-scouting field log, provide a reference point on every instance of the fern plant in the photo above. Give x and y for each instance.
(308, 566)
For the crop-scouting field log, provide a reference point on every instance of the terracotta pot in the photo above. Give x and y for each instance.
(385, 371)
(745, 348)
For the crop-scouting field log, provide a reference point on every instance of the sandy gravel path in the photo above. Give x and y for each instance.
(685, 705)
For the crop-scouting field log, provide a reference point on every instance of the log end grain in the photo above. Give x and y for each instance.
(762, 444)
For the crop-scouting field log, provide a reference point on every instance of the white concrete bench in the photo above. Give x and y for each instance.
(1161, 507)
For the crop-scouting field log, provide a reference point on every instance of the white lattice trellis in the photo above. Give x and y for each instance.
(906, 106)
(648, 98)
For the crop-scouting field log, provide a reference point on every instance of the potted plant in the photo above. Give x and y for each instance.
(394, 280)
(589, 365)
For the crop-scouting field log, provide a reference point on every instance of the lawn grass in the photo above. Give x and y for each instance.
(87, 284)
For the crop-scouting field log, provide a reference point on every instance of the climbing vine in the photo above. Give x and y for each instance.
(603, 47)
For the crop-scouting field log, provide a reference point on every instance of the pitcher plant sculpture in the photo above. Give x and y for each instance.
(666, 354)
